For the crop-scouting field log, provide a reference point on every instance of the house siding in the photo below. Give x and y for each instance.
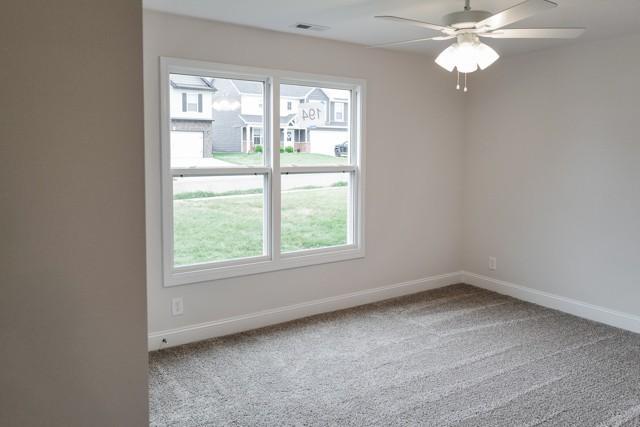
(227, 131)
(227, 125)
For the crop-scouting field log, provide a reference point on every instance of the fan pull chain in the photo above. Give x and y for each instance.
(458, 85)
(465, 82)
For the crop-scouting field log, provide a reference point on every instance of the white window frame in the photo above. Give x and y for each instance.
(271, 171)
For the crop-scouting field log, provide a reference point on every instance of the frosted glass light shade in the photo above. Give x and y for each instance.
(466, 61)
(447, 58)
(467, 55)
(485, 55)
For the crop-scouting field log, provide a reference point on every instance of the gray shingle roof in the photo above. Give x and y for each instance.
(294, 91)
(246, 86)
(191, 82)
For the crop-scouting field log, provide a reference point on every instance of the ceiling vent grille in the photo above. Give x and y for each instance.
(309, 27)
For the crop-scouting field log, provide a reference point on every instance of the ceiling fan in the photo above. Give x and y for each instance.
(468, 54)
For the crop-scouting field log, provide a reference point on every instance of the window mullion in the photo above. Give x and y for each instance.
(274, 152)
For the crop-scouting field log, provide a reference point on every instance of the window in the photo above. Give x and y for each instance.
(192, 102)
(338, 112)
(241, 195)
(300, 135)
(257, 136)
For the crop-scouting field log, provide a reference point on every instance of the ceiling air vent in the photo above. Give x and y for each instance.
(312, 27)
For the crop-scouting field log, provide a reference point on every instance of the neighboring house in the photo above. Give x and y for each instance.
(220, 115)
(317, 139)
(191, 98)
(324, 138)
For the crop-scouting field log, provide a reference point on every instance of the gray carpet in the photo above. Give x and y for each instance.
(453, 356)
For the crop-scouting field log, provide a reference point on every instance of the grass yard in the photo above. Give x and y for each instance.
(230, 226)
(286, 159)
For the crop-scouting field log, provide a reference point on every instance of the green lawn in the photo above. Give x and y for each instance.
(227, 227)
(286, 159)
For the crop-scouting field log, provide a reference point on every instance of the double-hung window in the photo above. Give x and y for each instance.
(233, 205)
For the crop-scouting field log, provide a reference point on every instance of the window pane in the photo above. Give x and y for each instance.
(215, 122)
(217, 218)
(314, 127)
(315, 211)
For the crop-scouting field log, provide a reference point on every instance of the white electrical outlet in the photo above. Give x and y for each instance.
(177, 306)
(493, 263)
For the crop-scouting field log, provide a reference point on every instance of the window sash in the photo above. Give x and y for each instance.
(266, 230)
(273, 259)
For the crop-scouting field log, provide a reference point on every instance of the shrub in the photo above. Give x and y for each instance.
(258, 148)
(281, 150)
(289, 149)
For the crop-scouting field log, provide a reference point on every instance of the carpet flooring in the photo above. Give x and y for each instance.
(455, 356)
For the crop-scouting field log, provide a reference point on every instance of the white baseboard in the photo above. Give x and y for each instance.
(232, 325)
(600, 314)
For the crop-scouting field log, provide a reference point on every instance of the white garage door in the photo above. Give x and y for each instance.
(187, 145)
(325, 141)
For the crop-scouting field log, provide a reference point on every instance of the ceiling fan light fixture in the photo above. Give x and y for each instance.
(467, 54)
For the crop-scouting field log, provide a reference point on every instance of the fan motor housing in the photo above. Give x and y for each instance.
(465, 19)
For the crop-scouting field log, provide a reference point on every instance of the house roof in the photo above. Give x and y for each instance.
(191, 82)
(248, 87)
(251, 119)
(337, 94)
(292, 91)
(287, 91)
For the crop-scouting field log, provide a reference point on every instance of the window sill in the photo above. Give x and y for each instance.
(212, 272)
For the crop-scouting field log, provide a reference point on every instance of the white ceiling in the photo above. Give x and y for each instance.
(352, 20)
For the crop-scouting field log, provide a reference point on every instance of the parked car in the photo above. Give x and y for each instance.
(341, 150)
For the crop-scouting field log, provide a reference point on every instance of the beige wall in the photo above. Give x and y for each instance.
(552, 185)
(413, 150)
(72, 306)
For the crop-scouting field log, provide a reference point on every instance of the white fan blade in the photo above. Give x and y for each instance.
(410, 41)
(535, 33)
(416, 23)
(515, 14)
